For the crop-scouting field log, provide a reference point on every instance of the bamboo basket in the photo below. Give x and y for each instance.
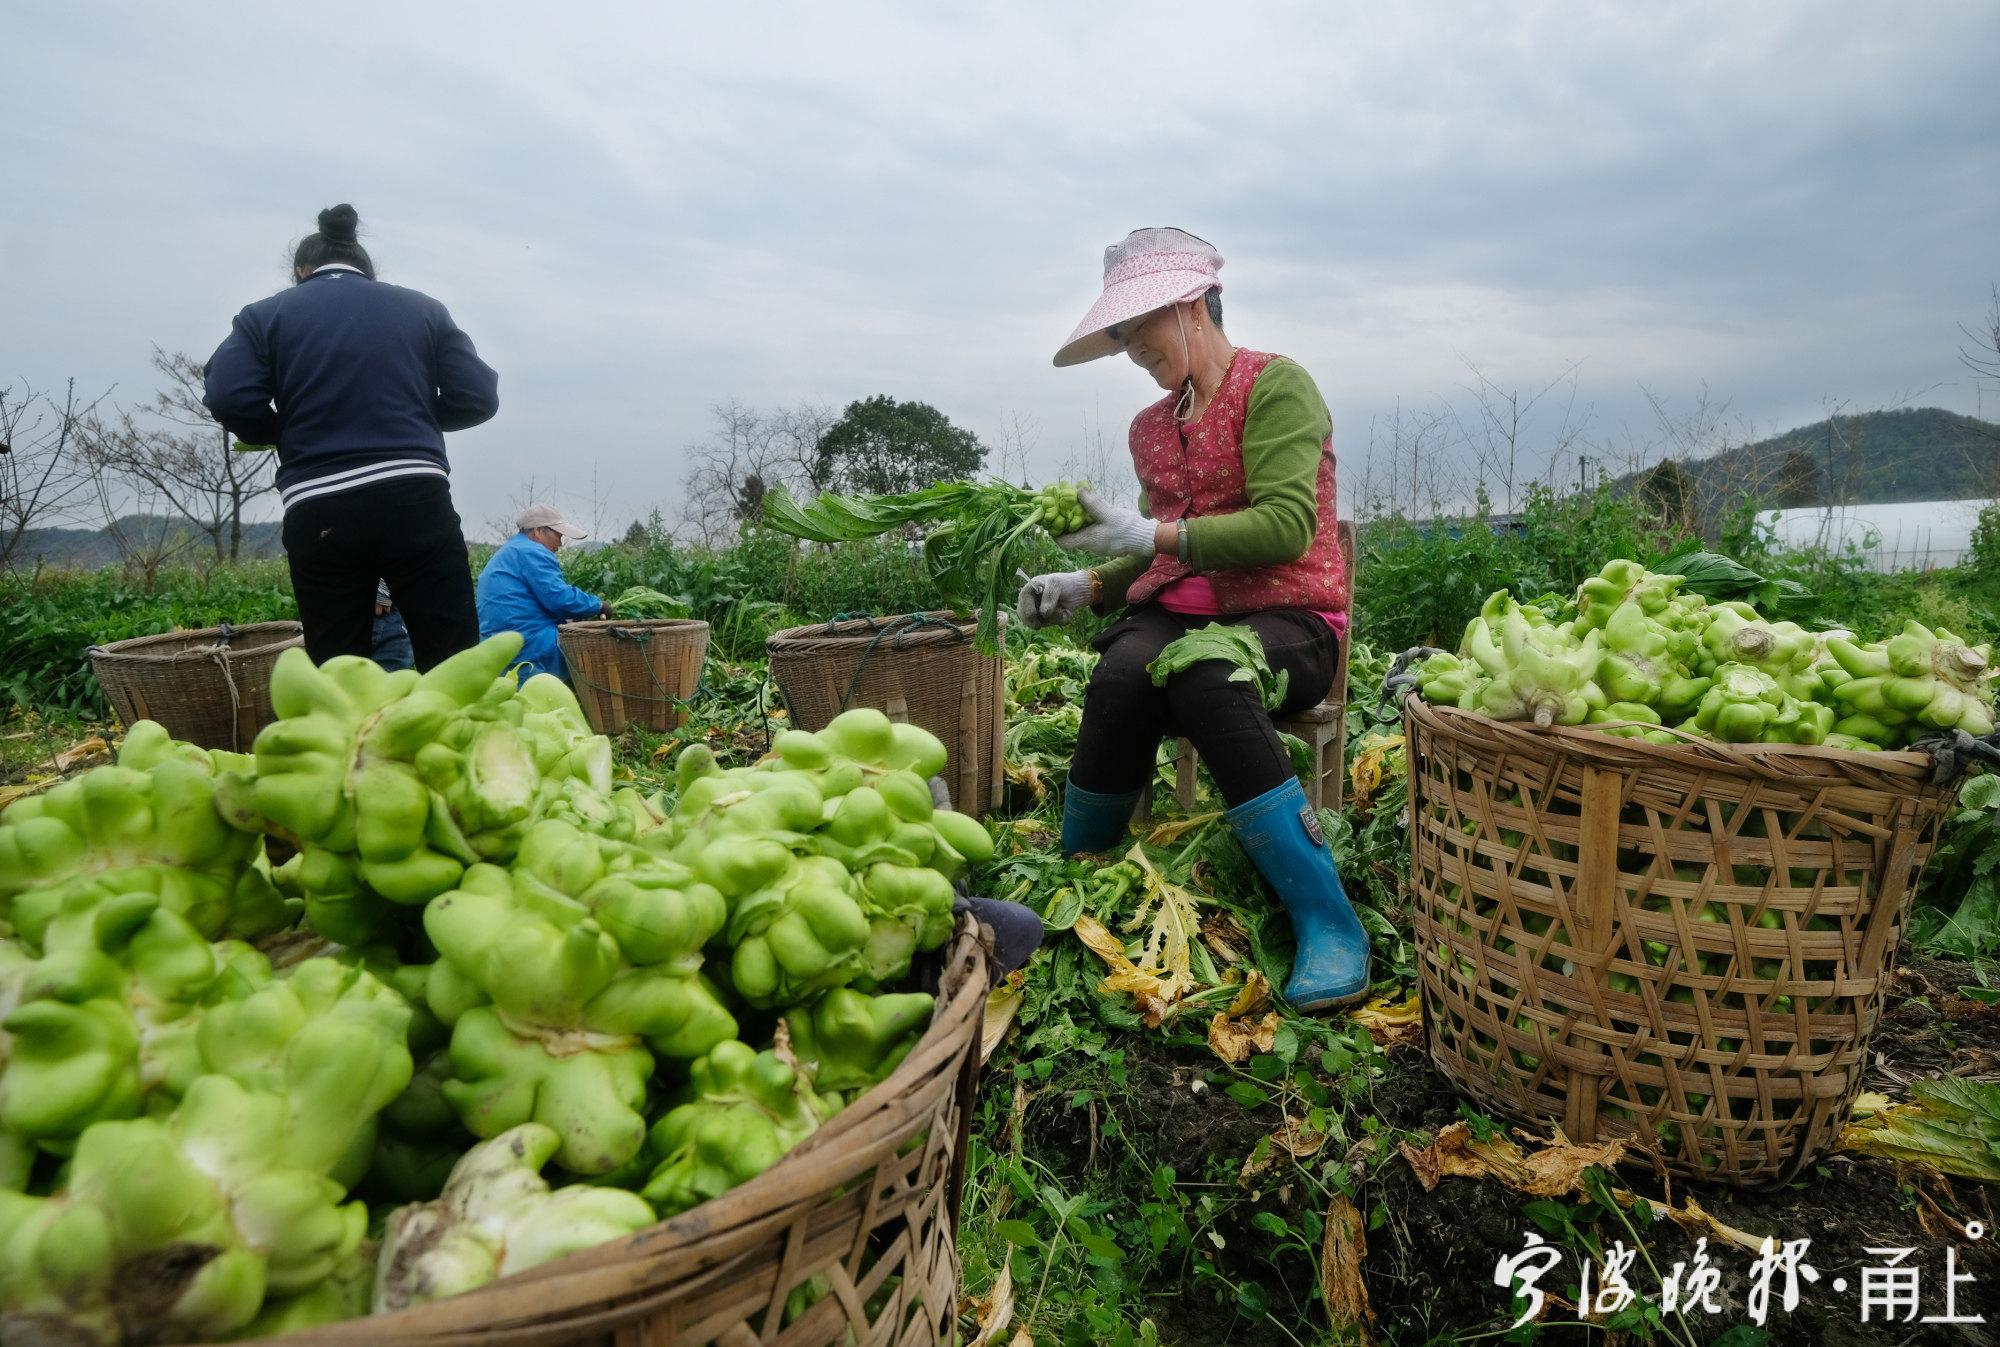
(1686, 944)
(921, 669)
(869, 1202)
(210, 687)
(634, 672)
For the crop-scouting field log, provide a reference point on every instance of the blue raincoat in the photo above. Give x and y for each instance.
(522, 589)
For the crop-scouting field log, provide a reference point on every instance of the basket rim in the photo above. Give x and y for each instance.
(1631, 754)
(955, 1017)
(597, 625)
(131, 647)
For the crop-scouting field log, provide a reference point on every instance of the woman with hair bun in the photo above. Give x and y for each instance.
(356, 382)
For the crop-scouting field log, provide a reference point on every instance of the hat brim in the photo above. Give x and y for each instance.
(1123, 301)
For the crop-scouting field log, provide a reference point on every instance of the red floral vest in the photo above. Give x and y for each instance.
(1197, 469)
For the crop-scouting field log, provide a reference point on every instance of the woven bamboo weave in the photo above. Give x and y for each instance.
(634, 672)
(922, 669)
(210, 687)
(1687, 944)
(869, 1203)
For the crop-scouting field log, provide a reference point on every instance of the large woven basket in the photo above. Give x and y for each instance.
(869, 1202)
(1687, 944)
(210, 687)
(634, 672)
(922, 669)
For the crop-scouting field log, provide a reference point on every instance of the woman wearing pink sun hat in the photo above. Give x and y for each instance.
(1236, 524)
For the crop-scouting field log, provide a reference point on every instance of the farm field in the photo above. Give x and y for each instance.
(1212, 1168)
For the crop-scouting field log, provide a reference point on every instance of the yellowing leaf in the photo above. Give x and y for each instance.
(994, 1311)
(1294, 1137)
(1173, 830)
(1225, 936)
(1340, 1282)
(1153, 994)
(1237, 1040)
(1952, 1124)
(93, 747)
(1175, 920)
(1393, 1024)
(1003, 1003)
(1553, 1171)
(1367, 772)
(1253, 996)
(1029, 775)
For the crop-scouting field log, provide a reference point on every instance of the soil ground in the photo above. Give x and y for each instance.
(1429, 1264)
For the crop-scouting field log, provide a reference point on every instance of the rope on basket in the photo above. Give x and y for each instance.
(1955, 752)
(1400, 682)
(897, 629)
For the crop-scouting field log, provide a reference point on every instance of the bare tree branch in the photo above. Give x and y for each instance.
(174, 453)
(43, 478)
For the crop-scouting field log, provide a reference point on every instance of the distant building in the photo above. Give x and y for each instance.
(1919, 535)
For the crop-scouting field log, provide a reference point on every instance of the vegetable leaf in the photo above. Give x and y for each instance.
(1236, 645)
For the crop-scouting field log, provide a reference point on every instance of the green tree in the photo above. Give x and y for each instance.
(880, 447)
(1799, 481)
(1669, 490)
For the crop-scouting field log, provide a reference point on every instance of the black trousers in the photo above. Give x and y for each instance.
(1125, 716)
(404, 531)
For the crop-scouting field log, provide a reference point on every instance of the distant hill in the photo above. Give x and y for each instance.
(87, 549)
(1912, 454)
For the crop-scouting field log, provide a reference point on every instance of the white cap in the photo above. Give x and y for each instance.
(540, 516)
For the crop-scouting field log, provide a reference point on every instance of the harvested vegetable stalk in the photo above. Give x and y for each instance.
(975, 541)
(644, 603)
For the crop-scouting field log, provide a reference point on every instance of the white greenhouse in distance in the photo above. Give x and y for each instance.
(1917, 535)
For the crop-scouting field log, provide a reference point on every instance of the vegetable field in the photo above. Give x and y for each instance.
(1162, 1152)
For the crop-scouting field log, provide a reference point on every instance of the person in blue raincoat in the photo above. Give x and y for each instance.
(522, 589)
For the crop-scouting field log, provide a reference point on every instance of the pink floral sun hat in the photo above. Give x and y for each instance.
(1149, 269)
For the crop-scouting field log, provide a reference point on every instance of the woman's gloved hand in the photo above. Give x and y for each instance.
(1114, 531)
(1053, 599)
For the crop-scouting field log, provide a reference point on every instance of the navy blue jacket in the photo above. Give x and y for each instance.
(355, 381)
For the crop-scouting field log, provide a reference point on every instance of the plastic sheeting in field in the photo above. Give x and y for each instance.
(1906, 536)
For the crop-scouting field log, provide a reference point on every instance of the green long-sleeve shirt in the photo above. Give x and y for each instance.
(1284, 428)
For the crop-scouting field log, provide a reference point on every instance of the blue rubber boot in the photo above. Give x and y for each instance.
(1281, 832)
(1093, 822)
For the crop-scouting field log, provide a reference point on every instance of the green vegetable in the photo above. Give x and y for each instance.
(148, 825)
(1235, 645)
(574, 1019)
(746, 1110)
(642, 602)
(231, 1197)
(975, 545)
(1951, 1123)
(497, 1215)
(848, 1041)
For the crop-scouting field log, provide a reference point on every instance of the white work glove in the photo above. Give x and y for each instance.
(1053, 599)
(1117, 532)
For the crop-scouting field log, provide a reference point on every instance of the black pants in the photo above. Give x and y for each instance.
(1125, 716)
(404, 531)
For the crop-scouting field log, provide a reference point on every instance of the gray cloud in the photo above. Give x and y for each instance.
(639, 210)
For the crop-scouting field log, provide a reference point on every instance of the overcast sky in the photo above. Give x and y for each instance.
(639, 209)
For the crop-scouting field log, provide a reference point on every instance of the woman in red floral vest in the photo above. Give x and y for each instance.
(1235, 524)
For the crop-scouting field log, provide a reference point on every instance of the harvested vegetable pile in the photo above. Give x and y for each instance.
(644, 603)
(196, 1144)
(974, 539)
(1639, 656)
